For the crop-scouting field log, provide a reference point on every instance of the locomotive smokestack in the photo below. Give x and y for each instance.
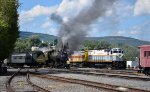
(73, 30)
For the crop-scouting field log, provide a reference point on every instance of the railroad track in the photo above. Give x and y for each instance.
(10, 88)
(108, 87)
(125, 72)
(125, 76)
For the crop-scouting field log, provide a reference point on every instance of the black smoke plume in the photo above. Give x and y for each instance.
(73, 31)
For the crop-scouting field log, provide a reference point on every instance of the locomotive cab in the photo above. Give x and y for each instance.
(117, 58)
(116, 51)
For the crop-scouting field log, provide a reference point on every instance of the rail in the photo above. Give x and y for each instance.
(125, 76)
(35, 86)
(8, 85)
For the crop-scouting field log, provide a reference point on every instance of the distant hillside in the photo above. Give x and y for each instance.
(110, 39)
(121, 39)
(44, 37)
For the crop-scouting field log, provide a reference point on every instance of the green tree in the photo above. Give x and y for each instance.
(8, 27)
(102, 44)
(96, 44)
(55, 42)
(22, 45)
(34, 40)
(90, 44)
(131, 52)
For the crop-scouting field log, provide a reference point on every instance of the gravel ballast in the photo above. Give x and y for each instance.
(55, 86)
(109, 80)
(20, 84)
(3, 80)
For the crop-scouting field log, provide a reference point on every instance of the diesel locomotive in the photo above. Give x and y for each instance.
(109, 58)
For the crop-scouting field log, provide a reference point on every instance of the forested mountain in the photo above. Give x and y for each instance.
(111, 39)
(44, 37)
(120, 40)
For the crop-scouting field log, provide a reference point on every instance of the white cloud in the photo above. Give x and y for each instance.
(120, 8)
(135, 30)
(142, 32)
(36, 11)
(142, 29)
(120, 12)
(52, 31)
(142, 7)
(70, 8)
(50, 27)
(94, 32)
(46, 25)
(67, 10)
(119, 33)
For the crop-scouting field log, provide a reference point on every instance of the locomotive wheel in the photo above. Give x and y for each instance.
(81, 65)
(91, 65)
(145, 72)
(109, 66)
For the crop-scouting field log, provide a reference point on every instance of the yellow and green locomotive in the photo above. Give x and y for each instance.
(49, 58)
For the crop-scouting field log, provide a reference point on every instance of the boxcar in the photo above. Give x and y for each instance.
(144, 62)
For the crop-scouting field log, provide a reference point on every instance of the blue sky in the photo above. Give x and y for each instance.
(130, 18)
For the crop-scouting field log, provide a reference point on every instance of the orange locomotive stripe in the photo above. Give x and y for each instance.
(76, 56)
(75, 61)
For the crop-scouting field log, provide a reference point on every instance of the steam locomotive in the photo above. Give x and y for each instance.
(37, 58)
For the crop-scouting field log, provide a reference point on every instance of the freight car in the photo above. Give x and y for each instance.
(110, 58)
(144, 60)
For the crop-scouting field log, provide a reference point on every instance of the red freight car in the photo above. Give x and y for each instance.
(144, 63)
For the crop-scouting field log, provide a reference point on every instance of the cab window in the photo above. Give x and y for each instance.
(115, 51)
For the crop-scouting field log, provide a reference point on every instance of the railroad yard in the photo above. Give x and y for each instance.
(73, 80)
(74, 46)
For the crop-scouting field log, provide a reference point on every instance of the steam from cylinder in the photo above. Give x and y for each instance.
(73, 31)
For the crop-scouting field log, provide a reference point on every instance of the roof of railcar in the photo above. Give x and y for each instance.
(18, 54)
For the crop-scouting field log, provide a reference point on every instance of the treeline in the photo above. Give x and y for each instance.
(23, 45)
